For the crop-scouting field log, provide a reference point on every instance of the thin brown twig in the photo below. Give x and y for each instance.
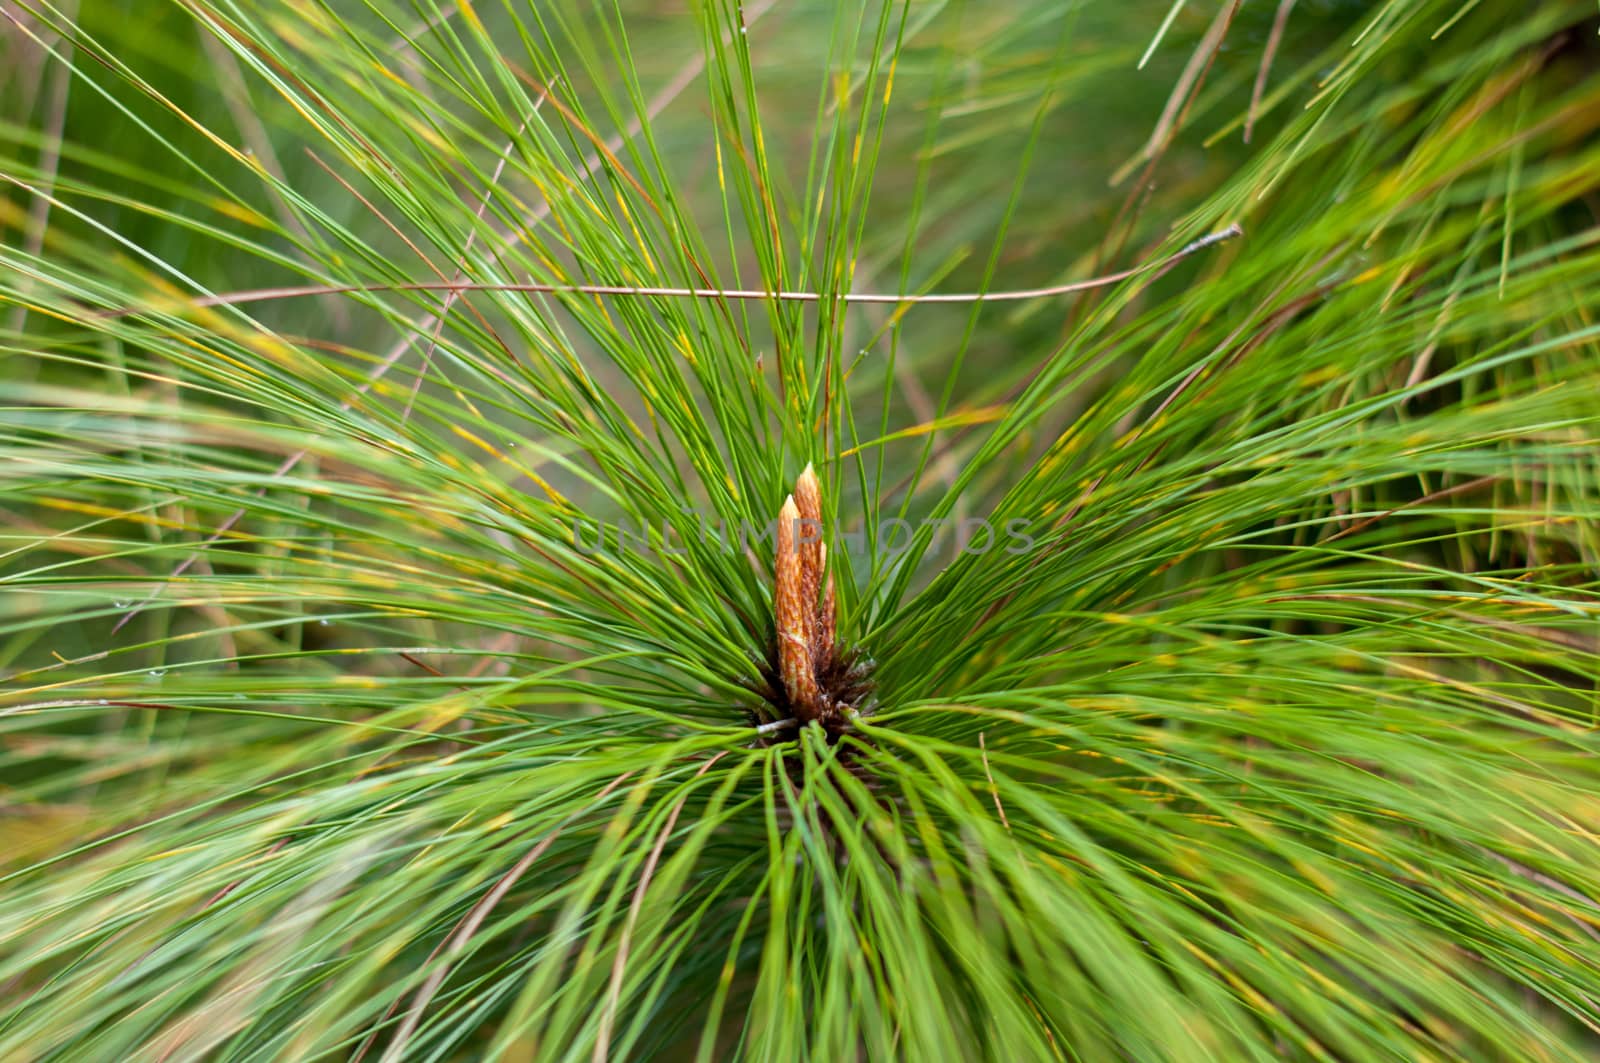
(1274, 321)
(1433, 496)
(236, 97)
(601, 146)
(1279, 21)
(383, 218)
(674, 88)
(1524, 871)
(259, 295)
(1022, 385)
(602, 1041)
(994, 791)
(458, 941)
(444, 311)
(49, 163)
(425, 666)
(1193, 76)
(406, 42)
(1173, 117)
(463, 933)
(437, 272)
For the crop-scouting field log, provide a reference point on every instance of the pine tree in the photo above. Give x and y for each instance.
(937, 531)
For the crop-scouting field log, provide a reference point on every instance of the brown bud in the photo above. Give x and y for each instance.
(793, 614)
(808, 499)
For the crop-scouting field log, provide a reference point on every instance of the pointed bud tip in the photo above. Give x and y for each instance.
(808, 495)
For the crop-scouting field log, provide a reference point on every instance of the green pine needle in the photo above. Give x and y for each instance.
(1261, 725)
